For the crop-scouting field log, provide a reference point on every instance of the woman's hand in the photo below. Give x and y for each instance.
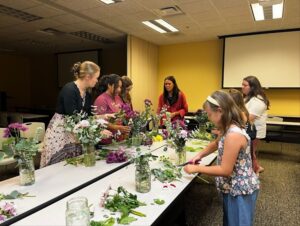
(106, 116)
(124, 129)
(173, 114)
(106, 133)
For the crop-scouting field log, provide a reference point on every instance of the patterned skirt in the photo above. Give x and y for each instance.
(58, 143)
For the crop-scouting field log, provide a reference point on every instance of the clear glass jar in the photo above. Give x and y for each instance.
(77, 212)
(26, 171)
(136, 140)
(143, 178)
(181, 155)
(89, 157)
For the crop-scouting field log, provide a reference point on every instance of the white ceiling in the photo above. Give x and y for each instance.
(202, 20)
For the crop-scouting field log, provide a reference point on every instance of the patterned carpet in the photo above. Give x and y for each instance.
(279, 198)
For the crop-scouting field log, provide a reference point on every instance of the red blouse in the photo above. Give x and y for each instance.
(180, 106)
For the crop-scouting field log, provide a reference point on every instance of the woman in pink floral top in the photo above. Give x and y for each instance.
(109, 101)
(235, 177)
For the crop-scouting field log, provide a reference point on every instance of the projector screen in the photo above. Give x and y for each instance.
(67, 60)
(274, 58)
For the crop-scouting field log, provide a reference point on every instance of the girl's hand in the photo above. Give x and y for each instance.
(106, 133)
(190, 169)
(196, 159)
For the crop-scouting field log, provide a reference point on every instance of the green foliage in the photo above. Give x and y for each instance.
(124, 202)
(109, 222)
(159, 201)
(14, 195)
(168, 172)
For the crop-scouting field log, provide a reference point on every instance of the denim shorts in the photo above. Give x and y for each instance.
(239, 210)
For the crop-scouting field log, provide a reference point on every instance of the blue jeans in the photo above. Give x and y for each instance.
(239, 210)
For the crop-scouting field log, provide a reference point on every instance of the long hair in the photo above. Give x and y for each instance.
(237, 96)
(126, 82)
(231, 113)
(105, 80)
(256, 90)
(176, 90)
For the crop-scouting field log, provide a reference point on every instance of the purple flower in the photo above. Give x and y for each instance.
(17, 126)
(147, 102)
(6, 133)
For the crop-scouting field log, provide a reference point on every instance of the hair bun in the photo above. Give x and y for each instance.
(76, 68)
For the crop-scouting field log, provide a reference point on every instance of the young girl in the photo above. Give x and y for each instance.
(235, 178)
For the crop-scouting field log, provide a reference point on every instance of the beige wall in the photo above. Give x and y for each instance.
(142, 68)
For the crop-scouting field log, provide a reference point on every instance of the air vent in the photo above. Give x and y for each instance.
(268, 13)
(170, 11)
(18, 14)
(51, 31)
(91, 36)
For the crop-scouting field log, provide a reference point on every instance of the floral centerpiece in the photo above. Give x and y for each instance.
(177, 136)
(142, 170)
(22, 149)
(138, 121)
(88, 131)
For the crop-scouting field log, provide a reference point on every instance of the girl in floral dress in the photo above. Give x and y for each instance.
(235, 178)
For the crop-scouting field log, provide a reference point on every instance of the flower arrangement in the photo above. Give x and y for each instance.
(87, 129)
(18, 147)
(7, 210)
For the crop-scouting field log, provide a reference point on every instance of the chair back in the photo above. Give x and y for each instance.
(2, 139)
(32, 127)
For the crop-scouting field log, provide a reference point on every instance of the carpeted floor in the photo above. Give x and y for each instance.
(278, 201)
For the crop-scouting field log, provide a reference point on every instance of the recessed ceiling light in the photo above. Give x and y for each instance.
(111, 1)
(160, 26)
(267, 9)
(277, 10)
(167, 25)
(153, 26)
(258, 11)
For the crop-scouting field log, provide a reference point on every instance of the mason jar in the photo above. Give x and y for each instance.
(77, 212)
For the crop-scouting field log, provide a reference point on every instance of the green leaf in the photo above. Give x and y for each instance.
(159, 201)
(126, 220)
(109, 222)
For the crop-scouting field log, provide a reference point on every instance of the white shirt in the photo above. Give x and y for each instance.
(257, 107)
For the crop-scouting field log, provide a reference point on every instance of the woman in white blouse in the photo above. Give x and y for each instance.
(257, 105)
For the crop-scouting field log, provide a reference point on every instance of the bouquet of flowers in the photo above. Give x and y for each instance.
(87, 129)
(18, 147)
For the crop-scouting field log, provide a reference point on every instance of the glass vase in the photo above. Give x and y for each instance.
(181, 155)
(77, 212)
(136, 140)
(143, 178)
(26, 171)
(89, 157)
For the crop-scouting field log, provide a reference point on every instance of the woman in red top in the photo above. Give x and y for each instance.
(173, 99)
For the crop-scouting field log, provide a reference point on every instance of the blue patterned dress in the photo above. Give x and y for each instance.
(243, 180)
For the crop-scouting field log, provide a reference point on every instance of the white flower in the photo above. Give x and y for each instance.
(84, 123)
(101, 121)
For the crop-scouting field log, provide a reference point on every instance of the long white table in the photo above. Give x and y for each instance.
(57, 181)
(55, 214)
